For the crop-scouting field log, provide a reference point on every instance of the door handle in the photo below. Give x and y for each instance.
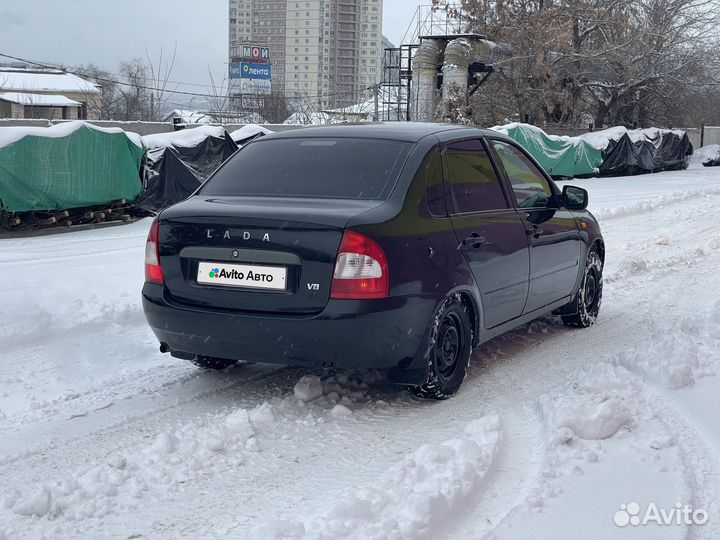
(535, 231)
(475, 241)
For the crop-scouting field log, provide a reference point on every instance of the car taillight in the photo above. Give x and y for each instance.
(153, 270)
(361, 269)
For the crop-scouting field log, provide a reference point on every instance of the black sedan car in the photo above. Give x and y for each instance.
(392, 246)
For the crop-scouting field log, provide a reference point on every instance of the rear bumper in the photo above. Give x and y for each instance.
(388, 334)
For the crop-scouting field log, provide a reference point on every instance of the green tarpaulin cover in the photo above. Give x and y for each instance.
(561, 157)
(69, 165)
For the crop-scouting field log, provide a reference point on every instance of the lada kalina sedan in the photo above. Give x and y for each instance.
(394, 246)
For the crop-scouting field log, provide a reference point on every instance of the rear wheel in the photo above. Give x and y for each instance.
(211, 362)
(450, 347)
(589, 297)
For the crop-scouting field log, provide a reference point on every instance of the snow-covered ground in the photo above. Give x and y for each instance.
(101, 436)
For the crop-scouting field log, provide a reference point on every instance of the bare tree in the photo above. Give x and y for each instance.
(615, 61)
(134, 103)
(275, 108)
(106, 108)
(219, 99)
(158, 75)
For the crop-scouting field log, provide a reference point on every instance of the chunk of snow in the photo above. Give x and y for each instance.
(238, 423)
(590, 420)
(214, 444)
(38, 504)
(117, 461)
(165, 443)
(262, 414)
(309, 387)
(340, 411)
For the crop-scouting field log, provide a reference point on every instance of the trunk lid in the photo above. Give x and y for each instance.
(260, 235)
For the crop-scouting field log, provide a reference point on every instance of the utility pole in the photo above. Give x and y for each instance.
(376, 92)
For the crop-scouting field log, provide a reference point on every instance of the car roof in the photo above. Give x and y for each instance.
(399, 131)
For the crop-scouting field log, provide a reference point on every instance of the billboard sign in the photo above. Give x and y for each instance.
(252, 102)
(256, 71)
(235, 70)
(258, 87)
(255, 53)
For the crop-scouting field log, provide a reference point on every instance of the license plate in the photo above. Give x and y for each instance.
(242, 275)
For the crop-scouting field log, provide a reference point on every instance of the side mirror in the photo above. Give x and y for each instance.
(574, 198)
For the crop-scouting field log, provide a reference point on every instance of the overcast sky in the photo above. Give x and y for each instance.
(104, 32)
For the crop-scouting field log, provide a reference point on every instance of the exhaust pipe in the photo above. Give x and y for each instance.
(165, 348)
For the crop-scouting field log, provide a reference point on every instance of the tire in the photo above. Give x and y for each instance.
(211, 362)
(449, 346)
(589, 298)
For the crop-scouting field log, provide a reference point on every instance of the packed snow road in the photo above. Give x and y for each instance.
(554, 429)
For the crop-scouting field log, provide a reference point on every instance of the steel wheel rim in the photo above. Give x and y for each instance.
(591, 291)
(448, 346)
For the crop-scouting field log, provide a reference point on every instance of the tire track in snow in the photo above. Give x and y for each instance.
(425, 487)
(118, 420)
(404, 422)
(699, 457)
(661, 203)
(657, 408)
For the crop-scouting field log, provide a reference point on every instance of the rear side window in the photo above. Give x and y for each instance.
(429, 178)
(343, 168)
(473, 182)
(531, 188)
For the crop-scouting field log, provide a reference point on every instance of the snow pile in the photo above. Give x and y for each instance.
(590, 419)
(592, 411)
(679, 354)
(51, 322)
(656, 203)
(184, 137)
(51, 308)
(10, 135)
(173, 458)
(344, 388)
(308, 388)
(248, 132)
(421, 490)
(708, 155)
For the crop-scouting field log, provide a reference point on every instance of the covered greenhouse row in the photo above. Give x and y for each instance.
(610, 152)
(76, 172)
(70, 165)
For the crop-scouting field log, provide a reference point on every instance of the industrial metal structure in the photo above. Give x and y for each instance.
(437, 62)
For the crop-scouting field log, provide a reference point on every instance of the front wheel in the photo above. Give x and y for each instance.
(449, 347)
(589, 297)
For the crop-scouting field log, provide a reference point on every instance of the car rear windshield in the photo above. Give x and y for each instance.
(343, 168)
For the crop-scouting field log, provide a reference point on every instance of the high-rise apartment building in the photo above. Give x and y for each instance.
(328, 51)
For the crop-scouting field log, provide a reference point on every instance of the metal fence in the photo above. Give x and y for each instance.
(712, 135)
